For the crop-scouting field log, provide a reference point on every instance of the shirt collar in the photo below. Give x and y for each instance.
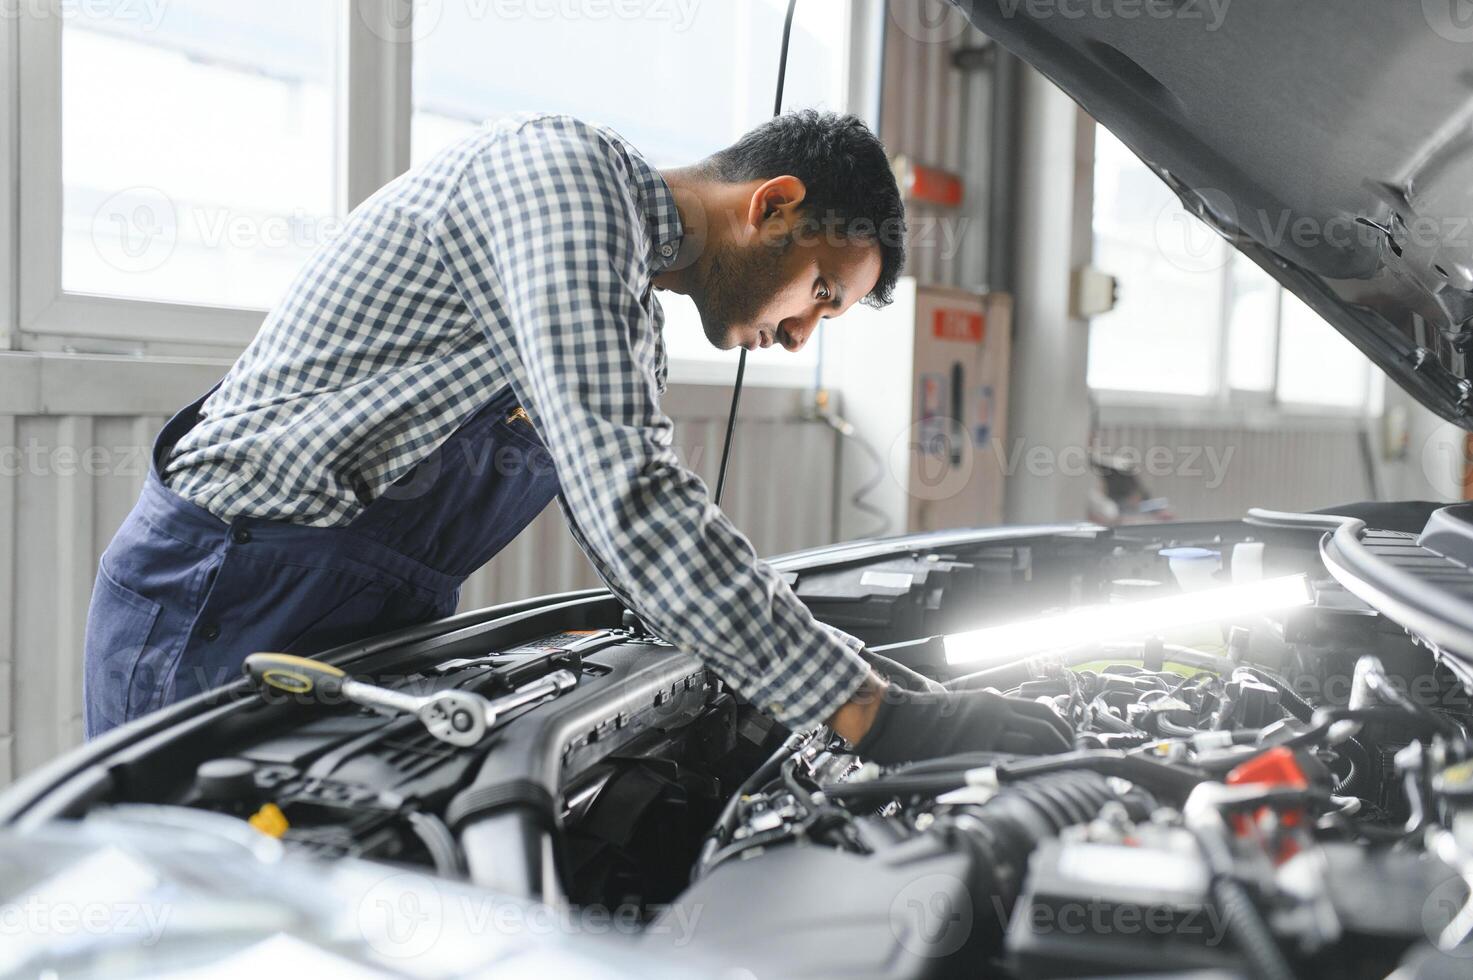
(661, 216)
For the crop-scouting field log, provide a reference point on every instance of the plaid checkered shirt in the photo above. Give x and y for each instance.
(522, 255)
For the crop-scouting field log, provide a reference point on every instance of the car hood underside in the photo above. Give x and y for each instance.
(1330, 143)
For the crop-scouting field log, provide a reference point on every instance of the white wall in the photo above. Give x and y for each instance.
(1421, 457)
(1049, 409)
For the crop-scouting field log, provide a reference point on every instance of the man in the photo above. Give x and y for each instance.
(484, 336)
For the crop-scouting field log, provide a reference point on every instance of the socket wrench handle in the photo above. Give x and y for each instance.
(293, 675)
(552, 684)
(383, 698)
(302, 675)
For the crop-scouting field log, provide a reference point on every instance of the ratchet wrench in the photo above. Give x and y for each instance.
(458, 717)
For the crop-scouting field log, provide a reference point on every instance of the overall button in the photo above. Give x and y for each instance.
(210, 632)
(240, 536)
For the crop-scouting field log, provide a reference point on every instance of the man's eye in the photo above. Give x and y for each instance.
(823, 292)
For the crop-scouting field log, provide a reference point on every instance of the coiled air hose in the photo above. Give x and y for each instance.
(1004, 831)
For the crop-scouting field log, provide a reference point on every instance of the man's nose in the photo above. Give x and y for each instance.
(797, 330)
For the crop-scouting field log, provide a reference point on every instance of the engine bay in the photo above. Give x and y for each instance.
(1280, 794)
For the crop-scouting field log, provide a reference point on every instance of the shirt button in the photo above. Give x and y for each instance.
(667, 250)
(210, 632)
(240, 536)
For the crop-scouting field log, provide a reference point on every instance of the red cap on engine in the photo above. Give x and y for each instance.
(1276, 767)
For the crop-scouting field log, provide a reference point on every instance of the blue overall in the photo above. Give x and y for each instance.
(182, 597)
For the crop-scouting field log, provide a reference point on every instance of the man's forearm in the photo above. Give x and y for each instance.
(853, 719)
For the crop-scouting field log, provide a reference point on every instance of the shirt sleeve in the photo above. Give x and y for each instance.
(544, 231)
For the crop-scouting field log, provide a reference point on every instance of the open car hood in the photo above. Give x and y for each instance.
(1330, 143)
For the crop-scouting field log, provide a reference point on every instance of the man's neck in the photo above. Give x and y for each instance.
(705, 207)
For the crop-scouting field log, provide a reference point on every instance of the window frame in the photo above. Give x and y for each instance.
(373, 145)
(1226, 403)
(9, 182)
(371, 148)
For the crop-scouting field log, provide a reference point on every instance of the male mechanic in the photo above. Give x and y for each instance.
(484, 336)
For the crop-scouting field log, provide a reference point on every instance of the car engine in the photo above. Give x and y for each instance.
(1282, 794)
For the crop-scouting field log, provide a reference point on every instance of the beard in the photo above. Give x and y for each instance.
(738, 282)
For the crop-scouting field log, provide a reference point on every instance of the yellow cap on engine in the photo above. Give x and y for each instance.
(269, 820)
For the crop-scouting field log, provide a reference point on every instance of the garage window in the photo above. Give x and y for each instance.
(676, 80)
(1196, 321)
(197, 149)
(182, 159)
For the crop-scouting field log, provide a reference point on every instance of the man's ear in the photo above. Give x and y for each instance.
(773, 209)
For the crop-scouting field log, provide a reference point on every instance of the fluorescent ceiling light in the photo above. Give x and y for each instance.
(1092, 624)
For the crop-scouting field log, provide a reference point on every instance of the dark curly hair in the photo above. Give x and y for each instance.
(850, 186)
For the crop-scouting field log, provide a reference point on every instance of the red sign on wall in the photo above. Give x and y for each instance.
(929, 185)
(964, 325)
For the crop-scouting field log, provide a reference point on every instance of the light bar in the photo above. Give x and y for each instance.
(1091, 624)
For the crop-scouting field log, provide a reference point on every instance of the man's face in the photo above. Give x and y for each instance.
(774, 289)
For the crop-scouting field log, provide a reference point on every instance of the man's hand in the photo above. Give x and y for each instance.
(853, 720)
(889, 725)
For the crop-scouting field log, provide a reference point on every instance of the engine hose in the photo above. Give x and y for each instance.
(720, 854)
(1173, 730)
(1112, 740)
(1004, 831)
(1288, 697)
(1250, 933)
(1359, 761)
(1204, 817)
(1173, 781)
(1040, 789)
(1100, 717)
(439, 842)
(961, 761)
(726, 821)
(897, 787)
(1065, 802)
(1342, 782)
(789, 773)
(1354, 752)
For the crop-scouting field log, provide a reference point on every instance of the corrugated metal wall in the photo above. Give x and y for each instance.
(1210, 473)
(68, 480)
(56, 516)
(939, 115)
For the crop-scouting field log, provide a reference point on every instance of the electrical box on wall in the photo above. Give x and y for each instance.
(925, 382)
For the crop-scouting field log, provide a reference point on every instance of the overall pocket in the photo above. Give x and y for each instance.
(120, 623)
(263, 600)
